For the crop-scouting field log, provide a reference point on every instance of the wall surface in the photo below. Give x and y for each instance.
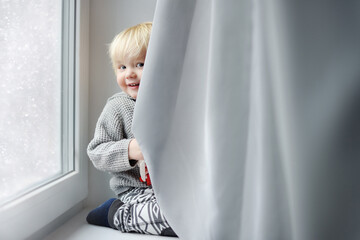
(107, 18)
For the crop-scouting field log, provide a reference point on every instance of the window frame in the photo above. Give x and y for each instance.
(27, 215)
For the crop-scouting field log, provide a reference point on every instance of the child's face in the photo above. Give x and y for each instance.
(129, 73)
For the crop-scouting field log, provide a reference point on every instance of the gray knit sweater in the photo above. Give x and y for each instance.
(109, 148)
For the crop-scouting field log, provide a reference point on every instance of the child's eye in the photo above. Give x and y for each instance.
(122, 67)
(140, 65)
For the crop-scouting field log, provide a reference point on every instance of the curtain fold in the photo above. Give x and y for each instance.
(248, 118)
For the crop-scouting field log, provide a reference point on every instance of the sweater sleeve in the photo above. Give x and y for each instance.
(108, 150)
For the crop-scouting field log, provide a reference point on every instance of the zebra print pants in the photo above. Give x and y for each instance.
(140, 213)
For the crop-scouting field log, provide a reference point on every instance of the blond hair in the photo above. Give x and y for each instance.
(130, 43)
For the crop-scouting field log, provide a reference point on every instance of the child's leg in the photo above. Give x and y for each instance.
(103, 214)
(140, 213)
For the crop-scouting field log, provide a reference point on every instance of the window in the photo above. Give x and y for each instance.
(43, 117)
(34, 113)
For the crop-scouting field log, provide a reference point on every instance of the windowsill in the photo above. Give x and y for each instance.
(78, 229)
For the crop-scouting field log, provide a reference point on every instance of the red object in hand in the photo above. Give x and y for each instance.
(148, 181)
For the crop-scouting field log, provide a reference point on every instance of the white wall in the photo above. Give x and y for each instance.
(107, 18)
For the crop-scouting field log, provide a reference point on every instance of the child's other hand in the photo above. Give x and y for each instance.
(144, 173)
(135, 151)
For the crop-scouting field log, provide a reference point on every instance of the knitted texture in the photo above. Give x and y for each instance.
(108, 150)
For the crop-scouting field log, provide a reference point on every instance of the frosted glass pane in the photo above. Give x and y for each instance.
(30, 93)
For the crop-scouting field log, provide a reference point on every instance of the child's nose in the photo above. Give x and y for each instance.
(130, 73)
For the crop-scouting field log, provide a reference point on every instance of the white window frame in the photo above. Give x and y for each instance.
(27, 215)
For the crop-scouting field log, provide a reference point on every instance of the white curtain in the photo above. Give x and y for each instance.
(248, 117)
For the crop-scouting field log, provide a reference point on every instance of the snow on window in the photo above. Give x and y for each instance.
(30, 93)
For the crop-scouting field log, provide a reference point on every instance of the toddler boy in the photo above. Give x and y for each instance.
(115, 150)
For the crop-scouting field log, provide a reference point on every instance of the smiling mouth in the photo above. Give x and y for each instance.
(134, 85)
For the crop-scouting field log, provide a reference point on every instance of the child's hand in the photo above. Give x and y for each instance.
(143, 170)
(135, 151)
(144, 173)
